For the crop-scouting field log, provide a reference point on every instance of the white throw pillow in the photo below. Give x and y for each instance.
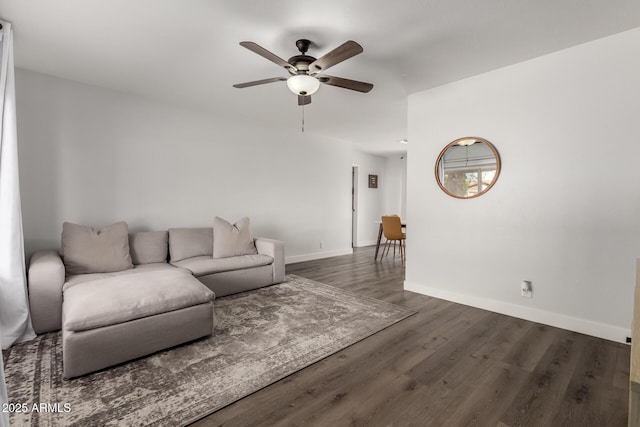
(89, 250)
(232, 240)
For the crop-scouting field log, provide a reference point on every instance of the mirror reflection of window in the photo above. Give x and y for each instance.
(467, 167)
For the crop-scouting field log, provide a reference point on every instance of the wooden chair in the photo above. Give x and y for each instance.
(392, 230)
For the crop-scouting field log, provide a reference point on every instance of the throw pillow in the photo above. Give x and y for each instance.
(232, 240)
(148, 247)
(89, 250)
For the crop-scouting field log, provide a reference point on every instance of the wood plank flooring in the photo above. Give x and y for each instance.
(448, 365)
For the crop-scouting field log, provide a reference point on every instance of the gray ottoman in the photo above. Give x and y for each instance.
(112, 320)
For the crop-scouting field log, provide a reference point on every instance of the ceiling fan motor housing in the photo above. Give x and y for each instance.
(301, 62)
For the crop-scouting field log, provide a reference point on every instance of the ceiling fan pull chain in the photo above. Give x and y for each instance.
(303, 119)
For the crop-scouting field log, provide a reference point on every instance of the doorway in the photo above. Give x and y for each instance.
(354, 206)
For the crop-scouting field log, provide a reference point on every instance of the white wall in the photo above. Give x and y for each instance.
(395, 198)
(370, 200)
(95, 156)
(565, 211)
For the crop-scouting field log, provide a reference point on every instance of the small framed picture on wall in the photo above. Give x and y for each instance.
(373, 181)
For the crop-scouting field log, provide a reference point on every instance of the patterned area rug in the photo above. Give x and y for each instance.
(260, 337)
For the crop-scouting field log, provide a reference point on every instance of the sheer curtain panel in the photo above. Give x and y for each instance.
(15, 324)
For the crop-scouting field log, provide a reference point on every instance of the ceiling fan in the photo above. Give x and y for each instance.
(305, 71)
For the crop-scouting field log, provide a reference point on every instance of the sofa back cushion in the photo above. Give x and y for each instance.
(149, 247)
(190, 242)
(90, 250)
(232, 239)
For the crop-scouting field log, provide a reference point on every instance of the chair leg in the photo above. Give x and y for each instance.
(386, 246)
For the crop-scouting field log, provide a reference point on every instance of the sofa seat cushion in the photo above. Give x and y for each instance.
(203, 265)
(113, 300)
(137, 269)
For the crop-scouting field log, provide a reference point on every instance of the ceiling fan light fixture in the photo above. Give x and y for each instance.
(303, 84)
(467, 142)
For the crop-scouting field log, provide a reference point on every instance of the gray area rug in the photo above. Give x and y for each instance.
(260, 337)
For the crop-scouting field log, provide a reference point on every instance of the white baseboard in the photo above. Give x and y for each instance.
(363, 243)
(559, 320)
(316, 255)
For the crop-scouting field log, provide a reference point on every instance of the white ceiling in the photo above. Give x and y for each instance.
(187, 51)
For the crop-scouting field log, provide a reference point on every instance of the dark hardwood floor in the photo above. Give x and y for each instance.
(448, 365)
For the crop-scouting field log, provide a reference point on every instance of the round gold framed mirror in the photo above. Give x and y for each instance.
(467, 167)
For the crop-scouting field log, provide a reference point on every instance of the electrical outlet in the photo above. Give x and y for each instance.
(321, 244)
(525, 289)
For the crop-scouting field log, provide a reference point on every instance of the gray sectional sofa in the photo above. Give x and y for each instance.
(118, 296)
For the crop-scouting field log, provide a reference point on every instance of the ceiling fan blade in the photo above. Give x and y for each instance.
(260, 82)
(304, 100)
(253, 47)
(345, 83)
(337, 55)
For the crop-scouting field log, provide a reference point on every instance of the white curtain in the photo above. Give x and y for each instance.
(4, 416)
(15, 323)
